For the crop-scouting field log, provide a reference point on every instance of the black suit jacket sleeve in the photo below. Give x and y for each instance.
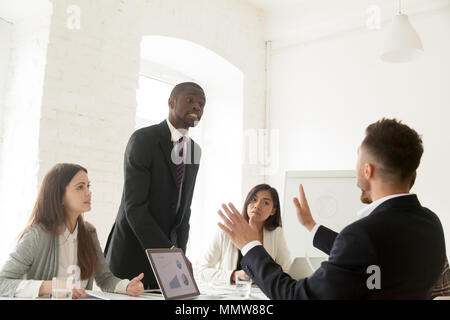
(343, 276)
(183, 230)
(324, 239)
(136, 189)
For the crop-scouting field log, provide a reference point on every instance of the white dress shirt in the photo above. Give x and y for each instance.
(67, 263)
(175, 136)
(364, 212)
(220, 259)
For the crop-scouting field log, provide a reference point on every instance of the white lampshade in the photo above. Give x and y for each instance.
(402, 43)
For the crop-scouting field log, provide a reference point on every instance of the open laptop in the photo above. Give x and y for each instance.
(173, 275)
(303, 267)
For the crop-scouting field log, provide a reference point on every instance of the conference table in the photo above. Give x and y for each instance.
(216, 292)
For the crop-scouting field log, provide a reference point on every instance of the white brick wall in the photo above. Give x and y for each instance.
(20, 126)
(5, 36)
(89, 99)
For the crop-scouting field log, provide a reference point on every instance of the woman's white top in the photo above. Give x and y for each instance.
(67, 266)
(220, 259)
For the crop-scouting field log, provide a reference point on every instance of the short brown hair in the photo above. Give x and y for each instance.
(274, 220)
(397, 149)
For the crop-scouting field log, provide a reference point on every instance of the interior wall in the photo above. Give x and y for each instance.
(325, 92)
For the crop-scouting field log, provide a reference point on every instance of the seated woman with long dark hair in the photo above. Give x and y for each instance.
(221, 262)
(58, 242)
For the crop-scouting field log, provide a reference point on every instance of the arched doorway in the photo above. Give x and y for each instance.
(167, 61)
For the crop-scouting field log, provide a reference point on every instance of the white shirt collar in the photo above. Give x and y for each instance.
(73, 235)
(175, 134)
(364, 212)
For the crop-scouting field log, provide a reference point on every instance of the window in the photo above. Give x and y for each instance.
(152, 97)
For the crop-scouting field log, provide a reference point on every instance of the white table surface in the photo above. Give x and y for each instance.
(226, 292)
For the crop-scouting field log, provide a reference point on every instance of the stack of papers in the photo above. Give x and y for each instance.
(99, 295)
(229, 291)
(226, 292)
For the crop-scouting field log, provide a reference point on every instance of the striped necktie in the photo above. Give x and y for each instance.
(180, 165)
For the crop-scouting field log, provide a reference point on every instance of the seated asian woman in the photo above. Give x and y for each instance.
(221, 262)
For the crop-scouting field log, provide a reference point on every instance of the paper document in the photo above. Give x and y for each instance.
(229, 291)
(92, 295)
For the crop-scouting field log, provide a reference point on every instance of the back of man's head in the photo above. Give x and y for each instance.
(396, 149)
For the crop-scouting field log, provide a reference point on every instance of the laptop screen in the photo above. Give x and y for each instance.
(171, 271)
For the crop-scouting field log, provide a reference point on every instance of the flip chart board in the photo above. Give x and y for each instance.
(334, 200)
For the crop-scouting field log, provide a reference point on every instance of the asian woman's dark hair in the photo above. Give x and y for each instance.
(274, 220)
(50, 214)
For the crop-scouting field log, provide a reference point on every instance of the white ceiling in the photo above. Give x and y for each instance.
(270, 5)
(290, 22)
(13, 10)
(274, 4)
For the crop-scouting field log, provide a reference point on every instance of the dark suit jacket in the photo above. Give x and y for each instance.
(324, 239)
(147, 216)
(402, 238)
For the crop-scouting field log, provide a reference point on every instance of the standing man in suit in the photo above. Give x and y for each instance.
(161, 164)
(397, 251)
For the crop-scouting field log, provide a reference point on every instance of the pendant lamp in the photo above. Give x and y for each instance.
(402, 43)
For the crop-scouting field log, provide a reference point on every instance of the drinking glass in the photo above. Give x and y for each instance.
(243, 287)
(61, 289)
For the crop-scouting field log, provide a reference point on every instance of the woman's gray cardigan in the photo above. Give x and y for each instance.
(36, 258)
